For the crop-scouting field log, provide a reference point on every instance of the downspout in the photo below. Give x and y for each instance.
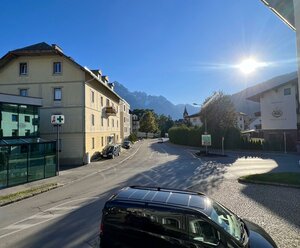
(83, 120)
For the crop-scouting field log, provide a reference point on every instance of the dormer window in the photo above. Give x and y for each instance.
(23, 69)
(57, 68)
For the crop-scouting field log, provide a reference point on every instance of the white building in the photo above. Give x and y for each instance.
(241, 121)
(289, 12)
(278, 107)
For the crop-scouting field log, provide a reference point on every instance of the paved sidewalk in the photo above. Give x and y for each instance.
(78, 173)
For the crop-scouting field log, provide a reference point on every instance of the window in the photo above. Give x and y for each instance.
(113, 122)
(101, 100)
(27, 118)
(117, 123)
(124, 119)
(14, 118)
(287, 91)
(57, 94)
(107, 102)
(202, 232)
(92, 96)
(27, 132)
(57, 68)
(93, 143)
(108, 122)
(93, 120)
(124, 108)
(14, 132)
(23, 68)
(102, 141)
(101, 121)
(23, 92)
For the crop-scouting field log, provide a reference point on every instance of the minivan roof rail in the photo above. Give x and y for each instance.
(166, 189)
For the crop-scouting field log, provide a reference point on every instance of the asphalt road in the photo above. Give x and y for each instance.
(70, 216)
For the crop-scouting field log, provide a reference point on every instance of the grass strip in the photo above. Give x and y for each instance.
(291, 179)
(10, 198)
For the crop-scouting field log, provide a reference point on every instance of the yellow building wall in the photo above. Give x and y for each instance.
(111, 124)
(41, 82)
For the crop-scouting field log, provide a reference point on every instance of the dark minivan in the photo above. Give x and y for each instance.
(147, 217)
(111, 151)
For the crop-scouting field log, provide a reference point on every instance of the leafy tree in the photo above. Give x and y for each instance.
(148, 123)
(219, 112)
(220, 116)
(164, 123)
(141, 112)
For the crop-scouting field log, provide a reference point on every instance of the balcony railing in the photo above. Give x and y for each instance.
(110, 111)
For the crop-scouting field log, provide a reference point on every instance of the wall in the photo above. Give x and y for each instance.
(41, 82)
(278, 111)
(106, 128)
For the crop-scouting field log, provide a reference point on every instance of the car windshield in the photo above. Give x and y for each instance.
(227, 220)
(109, 149)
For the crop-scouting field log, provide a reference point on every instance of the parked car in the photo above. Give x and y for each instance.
(111, 151)
(160, 140)
(157, 217)
(126, 144)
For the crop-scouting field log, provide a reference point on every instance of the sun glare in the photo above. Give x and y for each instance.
(249, 66)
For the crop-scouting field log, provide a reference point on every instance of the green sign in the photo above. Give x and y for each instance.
(206, 139)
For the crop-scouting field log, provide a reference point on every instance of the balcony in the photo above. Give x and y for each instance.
(110, 111)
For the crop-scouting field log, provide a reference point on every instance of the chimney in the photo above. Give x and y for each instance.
(111, 85)
(56, 47)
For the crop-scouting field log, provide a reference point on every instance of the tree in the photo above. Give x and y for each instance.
(220, 116)
(164, 124)
(148, 123)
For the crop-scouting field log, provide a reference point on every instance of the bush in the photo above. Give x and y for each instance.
(132, 137)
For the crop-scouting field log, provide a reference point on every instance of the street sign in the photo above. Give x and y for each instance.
(57, 119)
(206, 139)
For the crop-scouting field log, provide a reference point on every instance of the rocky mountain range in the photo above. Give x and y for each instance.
(161, 105)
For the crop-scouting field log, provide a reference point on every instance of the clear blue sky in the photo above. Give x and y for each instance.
(181, 49)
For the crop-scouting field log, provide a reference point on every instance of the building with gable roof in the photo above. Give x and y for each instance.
(85, 97)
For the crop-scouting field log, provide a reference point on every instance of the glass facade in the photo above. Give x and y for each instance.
(18, 120)
(24, 157)
(26, 160)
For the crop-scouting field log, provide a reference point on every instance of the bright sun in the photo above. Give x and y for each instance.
(249, 66)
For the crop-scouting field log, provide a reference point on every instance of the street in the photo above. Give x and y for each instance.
(69, 216)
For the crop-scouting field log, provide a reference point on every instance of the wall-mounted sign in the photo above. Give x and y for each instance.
(57, 119)
(277, 112)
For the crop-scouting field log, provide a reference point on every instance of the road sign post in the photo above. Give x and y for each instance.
(57, 120)
(206, 141)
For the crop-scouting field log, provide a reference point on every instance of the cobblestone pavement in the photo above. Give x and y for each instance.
(276, 209)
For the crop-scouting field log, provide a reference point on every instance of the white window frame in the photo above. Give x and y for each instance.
(23, 69)
(23, 90)
(57, 67)
(55, 90)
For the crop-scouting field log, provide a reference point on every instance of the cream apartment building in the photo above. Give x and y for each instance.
(86, 99)
(125, 119)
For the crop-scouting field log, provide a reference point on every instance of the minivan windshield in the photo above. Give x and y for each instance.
(227, 220)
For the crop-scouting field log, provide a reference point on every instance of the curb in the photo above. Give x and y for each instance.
(4, 203)
(241, 180)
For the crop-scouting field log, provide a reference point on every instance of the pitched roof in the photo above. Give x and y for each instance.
(254, 92)
(284, 9)
(43, 48)
(194, 115)
(36, 47)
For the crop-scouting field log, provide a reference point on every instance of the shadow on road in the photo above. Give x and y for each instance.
(80, 228)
